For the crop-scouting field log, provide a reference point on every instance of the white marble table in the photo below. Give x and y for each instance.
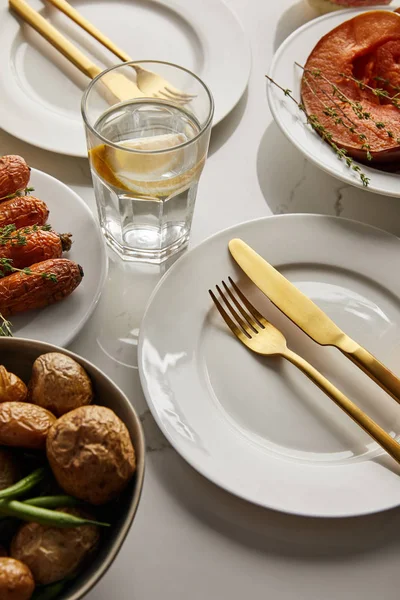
(190, 539)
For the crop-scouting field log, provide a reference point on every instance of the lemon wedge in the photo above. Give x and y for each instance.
(130, 167)
(146, 174)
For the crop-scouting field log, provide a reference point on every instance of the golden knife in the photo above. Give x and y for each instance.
(308, 316)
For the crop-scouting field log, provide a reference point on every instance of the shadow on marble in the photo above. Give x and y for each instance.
(68, 169)
(267, 531)
(115, 325)
(223, 131)
(292, 184)
(292, 19)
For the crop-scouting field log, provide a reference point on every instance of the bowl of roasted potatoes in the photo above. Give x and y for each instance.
(72, 457)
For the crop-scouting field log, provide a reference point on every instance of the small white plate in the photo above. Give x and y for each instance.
(41, 91)
(255, 425)
(297, 48)
(60, 323)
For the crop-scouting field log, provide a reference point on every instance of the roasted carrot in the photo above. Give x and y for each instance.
(48, 282)
(14, 174)
(30, 245)
(23, 211)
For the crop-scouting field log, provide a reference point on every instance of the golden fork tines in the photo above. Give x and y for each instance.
(148, 82)
(119, 85)
(258, 334)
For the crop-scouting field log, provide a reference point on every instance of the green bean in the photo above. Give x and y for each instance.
(49, 502)
(52, 501)
(44, 516)
(24, 485)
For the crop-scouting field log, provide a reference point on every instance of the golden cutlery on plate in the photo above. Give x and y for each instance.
(260, 336)
(120, 86)
(148, 82)
(309, 317)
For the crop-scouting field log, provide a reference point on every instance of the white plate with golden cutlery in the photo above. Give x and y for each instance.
(256, 425)
(41, 90)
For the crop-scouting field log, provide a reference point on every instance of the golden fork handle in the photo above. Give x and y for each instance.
(352, 410)
(80, 20)
(56, 39)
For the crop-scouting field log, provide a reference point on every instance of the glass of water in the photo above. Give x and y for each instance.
(146, 156)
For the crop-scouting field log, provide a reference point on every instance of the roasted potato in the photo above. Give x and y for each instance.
(16, 581)
(52, 553)
(9, 469)
(24, 425)
(91, 454)
(12, 388)
(59, 383)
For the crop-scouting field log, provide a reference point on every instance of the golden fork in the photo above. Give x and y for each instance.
(260, 336)
(148, 82)
(120, 86)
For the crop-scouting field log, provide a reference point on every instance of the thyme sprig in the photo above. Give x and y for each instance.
(22, 192)
(396, 88)
(326, 135)
(5, 327)
(337, 114)
(6, 267)
(356, 107)
(378, 92)
(18, 237)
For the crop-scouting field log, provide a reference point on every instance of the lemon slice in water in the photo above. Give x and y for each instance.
(144, 173)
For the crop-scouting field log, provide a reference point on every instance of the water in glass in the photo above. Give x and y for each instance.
(145, 180)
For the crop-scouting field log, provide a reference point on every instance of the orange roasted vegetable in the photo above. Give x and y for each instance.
(20, 292)
(366, 48)
(23, 211)
(31, 245)
(14, 174)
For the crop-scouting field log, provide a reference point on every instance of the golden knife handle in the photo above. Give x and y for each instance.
(80, 20)
(55, 38)
(352, 410)
(376, 371)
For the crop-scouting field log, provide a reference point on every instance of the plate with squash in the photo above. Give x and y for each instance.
(53, 261)
(334, 90)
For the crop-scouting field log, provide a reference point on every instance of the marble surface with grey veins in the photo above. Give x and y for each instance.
(191, 539)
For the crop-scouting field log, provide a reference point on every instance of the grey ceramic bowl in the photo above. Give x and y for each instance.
(18, 355)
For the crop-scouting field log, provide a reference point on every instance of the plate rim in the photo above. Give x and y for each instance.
(246, 59)
(152, 406)
(355, 182)
(103, 259)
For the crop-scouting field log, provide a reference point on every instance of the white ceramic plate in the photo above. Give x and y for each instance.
(256, 426)
(297, 47)
(41, 91)
(60, 323)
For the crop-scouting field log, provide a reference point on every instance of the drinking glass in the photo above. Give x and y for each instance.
(146, 156)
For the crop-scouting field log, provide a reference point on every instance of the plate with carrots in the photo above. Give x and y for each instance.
(53, 260)
(334, 90)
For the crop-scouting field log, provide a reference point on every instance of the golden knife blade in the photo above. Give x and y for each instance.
(308, 316)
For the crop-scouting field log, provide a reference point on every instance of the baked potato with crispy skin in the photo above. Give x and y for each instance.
(59, 383)
(16, 581)
(52, 553)
(12, 388)
(24, 425)
(9, 469)
(91, 454)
